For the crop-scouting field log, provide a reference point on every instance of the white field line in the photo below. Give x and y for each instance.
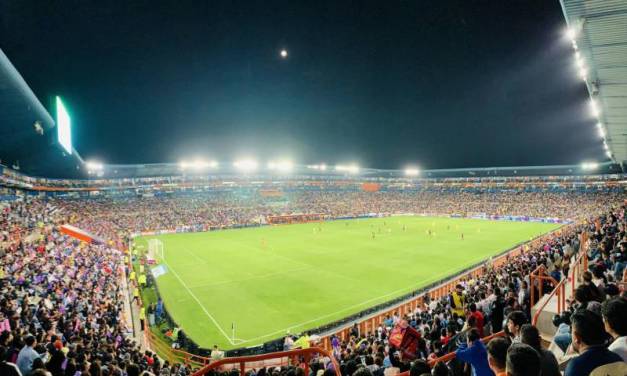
(354, 305)
(200, 304)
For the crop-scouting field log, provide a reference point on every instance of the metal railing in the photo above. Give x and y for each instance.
(559, 291)
(450, 356)
(164, 350)
(369, 324)
(299, 357)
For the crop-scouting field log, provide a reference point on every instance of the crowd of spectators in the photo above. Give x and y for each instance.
(62, 303)
(202, 211)
(500, 300)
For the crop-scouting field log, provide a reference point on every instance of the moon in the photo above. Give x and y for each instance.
(283, 53)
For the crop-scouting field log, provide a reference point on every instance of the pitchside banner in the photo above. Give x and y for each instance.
(158, 271)
(518, 218)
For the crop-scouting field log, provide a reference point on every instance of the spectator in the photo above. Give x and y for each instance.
(530, 335)
(27, 355)
(418, 368)
(515, 321)
(615, 321)
(440, 369)
(522, 360)
(475, 354)
(497, 355)
(458, 300)
(478, 318)
(589, 341)
(362, 371)
(7, 368)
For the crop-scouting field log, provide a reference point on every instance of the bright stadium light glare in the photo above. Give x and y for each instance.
(594, 108)
(579, 63)
(282, 166)
(571, 33)
(583, 73)
(321, 167)
(246, 165)
(589, 166)
(352, 169)
(94, 166)
(605, 146)
(601, 133)
(609, 154)
(412, 171)
(197, 164)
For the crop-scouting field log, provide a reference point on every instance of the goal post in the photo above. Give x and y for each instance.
(155, 250)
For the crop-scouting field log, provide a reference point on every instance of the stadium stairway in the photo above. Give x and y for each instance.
(555, 302)
(544, 321)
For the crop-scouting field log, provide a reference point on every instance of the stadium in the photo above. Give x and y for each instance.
(254, 263)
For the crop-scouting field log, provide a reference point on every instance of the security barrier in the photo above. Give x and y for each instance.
(299, 357)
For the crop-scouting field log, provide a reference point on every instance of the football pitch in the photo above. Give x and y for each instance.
(267, 281)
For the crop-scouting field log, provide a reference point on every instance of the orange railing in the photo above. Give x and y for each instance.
(450, 356)
(559, 291)
(369, 325)
(299, 357)
(164, 350)
(537, 278)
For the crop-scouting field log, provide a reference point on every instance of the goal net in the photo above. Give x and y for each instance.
(155, 250)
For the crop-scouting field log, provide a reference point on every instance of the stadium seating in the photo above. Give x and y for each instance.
(67, 298)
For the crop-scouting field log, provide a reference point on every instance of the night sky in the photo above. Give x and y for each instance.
(437, 84)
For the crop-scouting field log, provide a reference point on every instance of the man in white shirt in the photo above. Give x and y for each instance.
(614, 313)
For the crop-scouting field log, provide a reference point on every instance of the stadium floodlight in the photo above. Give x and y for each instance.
(594, 108)
(246, 165)
(321, 167)
(579, 62)
(583, 73)
(351, 169)
(198, 164)
(571, 33)
(94, 166)
(589, 166)
(282, 166)
(609, 154)
(412, 171)
(605, 146)
(601, 133)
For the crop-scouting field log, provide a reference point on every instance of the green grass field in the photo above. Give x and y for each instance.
(269, 280)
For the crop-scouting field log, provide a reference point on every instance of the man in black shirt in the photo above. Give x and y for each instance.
(7, 368)
(589, 338)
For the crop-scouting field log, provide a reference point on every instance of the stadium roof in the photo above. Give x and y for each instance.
(28, 138)
(599, 28)
(111, 171)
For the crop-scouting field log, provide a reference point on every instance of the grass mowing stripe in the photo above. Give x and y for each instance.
(266, 279)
